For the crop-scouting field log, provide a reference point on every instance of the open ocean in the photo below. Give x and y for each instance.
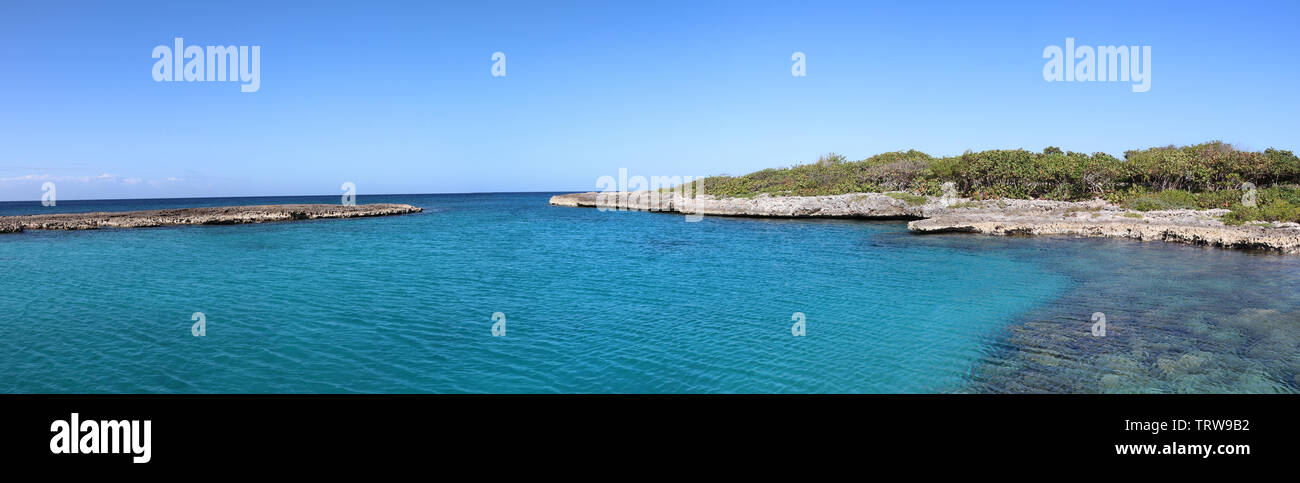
(626, 302)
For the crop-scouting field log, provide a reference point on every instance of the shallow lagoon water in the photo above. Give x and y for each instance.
(627, 302)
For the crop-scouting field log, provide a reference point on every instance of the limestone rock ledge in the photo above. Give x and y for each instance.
(1094, 218)
(1281, 239)
(1100, 219)
(855, 205)
(222, 215)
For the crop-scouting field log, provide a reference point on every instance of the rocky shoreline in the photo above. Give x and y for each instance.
(220, 215)
(856, 205)
(1095, 218)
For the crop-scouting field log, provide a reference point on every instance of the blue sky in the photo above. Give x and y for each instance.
(399, 97)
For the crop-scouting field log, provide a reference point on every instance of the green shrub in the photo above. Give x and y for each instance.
(911, 199)
(1280, 204)
(831, 159)
(1164, 200)
(1208, 175)
(897, 175)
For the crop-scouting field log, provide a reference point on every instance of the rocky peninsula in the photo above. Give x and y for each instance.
(220, 215)
(1096, 218)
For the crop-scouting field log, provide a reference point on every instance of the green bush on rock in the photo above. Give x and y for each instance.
(1202, 176)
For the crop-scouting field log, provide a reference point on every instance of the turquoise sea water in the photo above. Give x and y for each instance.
(626, 302)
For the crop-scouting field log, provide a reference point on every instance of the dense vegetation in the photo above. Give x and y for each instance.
(1203, 176)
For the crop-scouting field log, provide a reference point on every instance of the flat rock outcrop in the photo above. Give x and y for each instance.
(1099, 219)
(222, 215)
(855, 205)
(1095, 218)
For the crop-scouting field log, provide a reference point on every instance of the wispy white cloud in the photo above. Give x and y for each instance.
(102, 177)
(30, 177)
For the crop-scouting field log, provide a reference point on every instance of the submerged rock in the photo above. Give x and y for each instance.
(221, 215)
(1182, 365)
